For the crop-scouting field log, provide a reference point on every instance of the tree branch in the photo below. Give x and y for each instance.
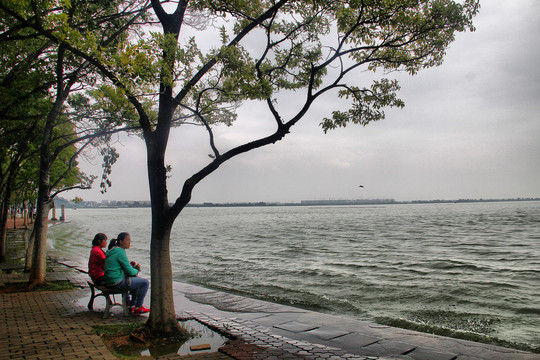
(245, 31)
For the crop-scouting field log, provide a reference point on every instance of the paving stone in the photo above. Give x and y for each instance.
(328, 333)
(428, 354)
(295, 326)
(355, 341)
(386, 348)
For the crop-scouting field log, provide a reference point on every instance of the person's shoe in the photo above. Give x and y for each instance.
(140, 310)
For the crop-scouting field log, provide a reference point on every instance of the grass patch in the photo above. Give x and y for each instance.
(119, 342)
(130, 341)
(118, 329)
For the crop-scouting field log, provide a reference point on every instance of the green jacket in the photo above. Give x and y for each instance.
(117, 266)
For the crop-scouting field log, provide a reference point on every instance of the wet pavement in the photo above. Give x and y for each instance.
(316, 335)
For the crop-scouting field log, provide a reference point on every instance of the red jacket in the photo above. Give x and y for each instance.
(96, 263)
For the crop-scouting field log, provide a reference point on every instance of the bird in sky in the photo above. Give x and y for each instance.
(360, 185)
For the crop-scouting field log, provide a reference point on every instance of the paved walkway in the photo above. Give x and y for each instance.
(53, 325)
(57, 324)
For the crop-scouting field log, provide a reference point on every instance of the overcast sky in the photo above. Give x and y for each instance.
(470, 129)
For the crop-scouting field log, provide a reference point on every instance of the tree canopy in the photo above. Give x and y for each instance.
(197, 61)
(41, 70)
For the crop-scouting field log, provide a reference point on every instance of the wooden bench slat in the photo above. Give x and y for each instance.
(11, 266)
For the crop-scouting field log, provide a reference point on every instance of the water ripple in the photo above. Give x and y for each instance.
(471, 268)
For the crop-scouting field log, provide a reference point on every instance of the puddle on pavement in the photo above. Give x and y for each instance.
(203, 338)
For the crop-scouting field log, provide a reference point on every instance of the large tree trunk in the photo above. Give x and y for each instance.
(30, 249)
(6, 192)
(38, 268)
(162, 319)
(25, 214)
(44, 201)
(3, 228)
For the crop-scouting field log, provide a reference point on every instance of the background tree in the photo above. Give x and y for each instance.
(64, 175)
(99, 24)
(12, 153)
(24, 80)
(261, 49)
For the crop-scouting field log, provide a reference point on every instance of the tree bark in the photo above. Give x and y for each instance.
(25, 214)
(162, 319)
(44, 203)
(6, 192)
(30, 248)
(38, 268)
(3, 227)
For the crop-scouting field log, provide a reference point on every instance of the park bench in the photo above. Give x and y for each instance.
(108, 294)
(9, 267)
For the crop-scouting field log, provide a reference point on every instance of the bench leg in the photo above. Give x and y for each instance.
(108, 305)
(92, 297)
(124, 303)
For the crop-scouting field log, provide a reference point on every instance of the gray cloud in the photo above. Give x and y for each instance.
(470, 129)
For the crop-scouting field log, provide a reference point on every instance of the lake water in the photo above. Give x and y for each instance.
(467, 268)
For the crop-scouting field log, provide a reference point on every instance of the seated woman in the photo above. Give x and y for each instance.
(121, 274)
(96, 263)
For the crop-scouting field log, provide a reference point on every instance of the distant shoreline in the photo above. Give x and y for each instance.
(358, 202)
(145, 204)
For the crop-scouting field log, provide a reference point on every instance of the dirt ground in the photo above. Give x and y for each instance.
(19, 223)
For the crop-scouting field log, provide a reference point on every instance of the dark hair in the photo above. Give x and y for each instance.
(98, 239)
(120, 237)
